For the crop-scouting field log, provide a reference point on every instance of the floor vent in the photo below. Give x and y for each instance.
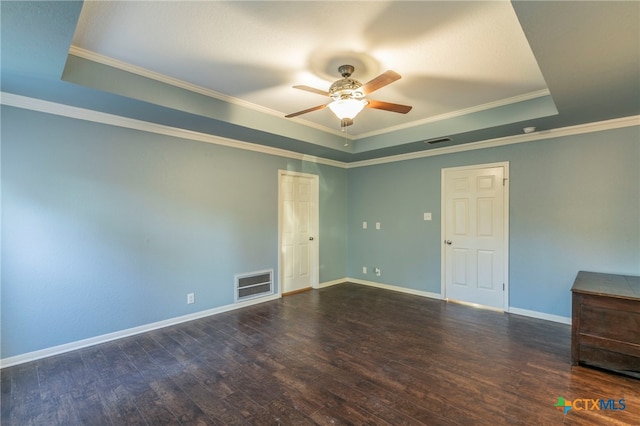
(254, 284)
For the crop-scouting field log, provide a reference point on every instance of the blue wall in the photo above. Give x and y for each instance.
(574, 205)
(106, 228)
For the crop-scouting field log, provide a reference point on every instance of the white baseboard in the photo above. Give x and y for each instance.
(540, 315)
(516, 311)
(330, 283)
(43, 353)
(67, 347)
(396, 288)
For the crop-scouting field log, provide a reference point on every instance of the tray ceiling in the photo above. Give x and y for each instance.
(471, 70)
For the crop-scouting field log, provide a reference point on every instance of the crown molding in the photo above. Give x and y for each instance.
(461, 112)
(579, 129)
(143, 72)
(162, 78)
(40, 105)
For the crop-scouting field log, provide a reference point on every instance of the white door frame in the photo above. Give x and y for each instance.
(315, 223)
(443, 268)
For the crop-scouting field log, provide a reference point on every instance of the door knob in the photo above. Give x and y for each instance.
(310, 238)
(448, 242)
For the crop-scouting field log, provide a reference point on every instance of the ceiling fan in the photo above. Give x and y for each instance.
(348, 96)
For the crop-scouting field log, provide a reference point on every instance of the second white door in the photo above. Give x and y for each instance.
(474, 245)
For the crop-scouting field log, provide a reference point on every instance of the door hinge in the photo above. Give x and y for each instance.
(502, 286)
(504, 180)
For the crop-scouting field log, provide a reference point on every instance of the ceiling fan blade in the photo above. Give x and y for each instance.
(316, 108)
(388, 106)
(380, 81)
(312, 90)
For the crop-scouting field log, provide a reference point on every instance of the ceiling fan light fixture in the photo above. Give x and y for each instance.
(348, 96)
(347, 108)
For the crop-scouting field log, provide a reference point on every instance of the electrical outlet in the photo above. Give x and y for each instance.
(378, 272)
(191, 298)
(364, 269)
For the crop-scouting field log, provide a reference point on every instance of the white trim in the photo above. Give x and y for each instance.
(19, 101)
(56, 350)
(510, 310)
(616, 123)
(68, 347)
(40, 105)
(399, 289)
(460, 112)
(315, 268)
(332, 283)
(162, 78)
(475, 305)
(540, 315)
(505, 215)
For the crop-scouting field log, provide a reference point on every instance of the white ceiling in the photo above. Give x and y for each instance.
(454, 57)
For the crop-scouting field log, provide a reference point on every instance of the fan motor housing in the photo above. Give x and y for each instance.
(346, 88)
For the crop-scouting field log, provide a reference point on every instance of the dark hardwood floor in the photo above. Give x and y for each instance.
(346, 354)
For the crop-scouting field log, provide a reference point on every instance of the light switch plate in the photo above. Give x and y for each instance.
(427, 216)
(377, 225)
(364, 225)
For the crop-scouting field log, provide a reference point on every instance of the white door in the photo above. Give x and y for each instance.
(475, 239)
(298, 195)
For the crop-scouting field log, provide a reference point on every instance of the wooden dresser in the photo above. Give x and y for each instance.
(605, 327)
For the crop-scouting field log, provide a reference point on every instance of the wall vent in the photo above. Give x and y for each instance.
(254, 284)
(437, 140)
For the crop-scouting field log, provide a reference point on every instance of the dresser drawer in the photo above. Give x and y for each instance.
(610, 318)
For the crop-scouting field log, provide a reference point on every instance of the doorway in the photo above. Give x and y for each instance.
(298, 211)
(475, 235)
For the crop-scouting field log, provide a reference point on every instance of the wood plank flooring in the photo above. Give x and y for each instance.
(346, 354)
